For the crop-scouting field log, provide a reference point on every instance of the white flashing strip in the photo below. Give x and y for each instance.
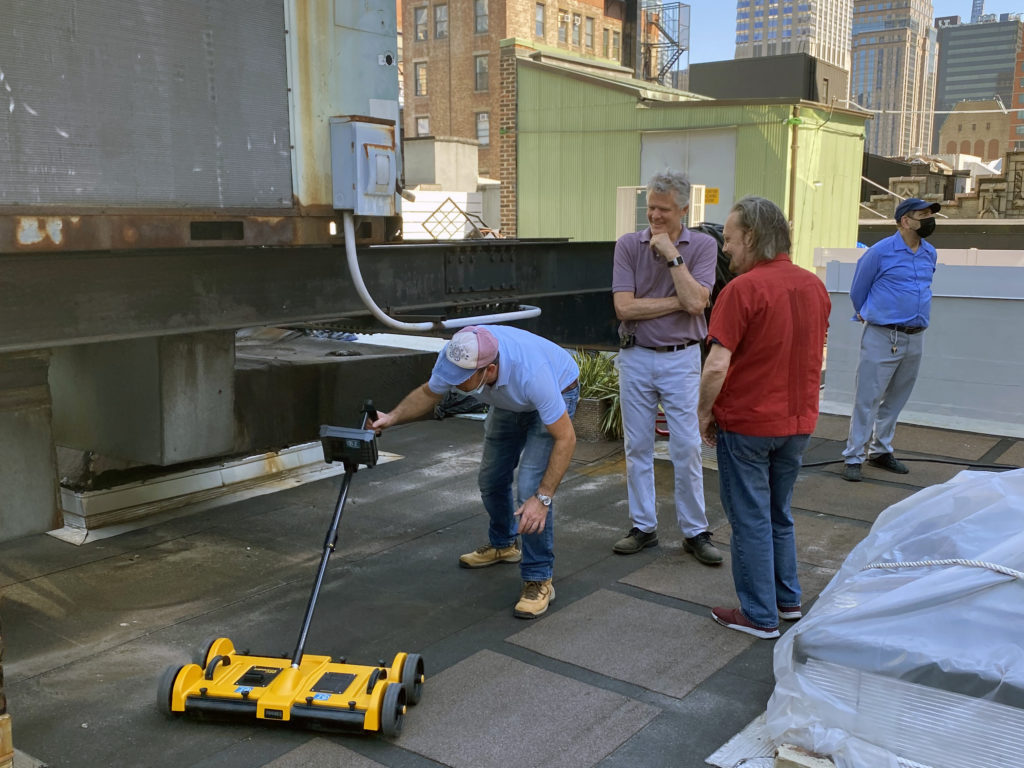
(92, 515)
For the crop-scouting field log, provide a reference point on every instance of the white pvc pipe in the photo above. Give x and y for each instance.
(525, 311)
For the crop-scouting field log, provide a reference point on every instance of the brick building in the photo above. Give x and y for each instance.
(980, 128)
(451, 74)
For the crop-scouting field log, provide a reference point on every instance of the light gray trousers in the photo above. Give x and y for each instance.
(889, 361)
(646, 378)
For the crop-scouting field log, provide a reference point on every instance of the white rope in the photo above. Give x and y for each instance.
(970, 563)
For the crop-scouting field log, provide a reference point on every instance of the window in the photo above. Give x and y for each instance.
(440, 21)
(577, 20)
(538, 20)
(483, 128)
(422, 126)
(419, 70)
(563, 27)
(480, 6)
(480, 62)
(420, 20)
(616, 42)
(588, 34)
(605, 35)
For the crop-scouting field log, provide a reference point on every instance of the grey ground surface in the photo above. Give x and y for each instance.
(626, 669)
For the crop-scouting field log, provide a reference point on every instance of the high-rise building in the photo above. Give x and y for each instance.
(774, 27)
(1017, 105)
(976, 62)
(893, 74)
(451, 57)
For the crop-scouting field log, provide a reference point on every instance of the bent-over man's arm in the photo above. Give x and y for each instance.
(533, 515)
(417, 403)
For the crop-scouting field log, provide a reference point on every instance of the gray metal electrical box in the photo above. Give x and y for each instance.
(363, 165)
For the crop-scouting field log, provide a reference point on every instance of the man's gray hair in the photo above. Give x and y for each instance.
(674, 182)
(767, 225)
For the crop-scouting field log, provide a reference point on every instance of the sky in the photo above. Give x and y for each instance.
(713, 23)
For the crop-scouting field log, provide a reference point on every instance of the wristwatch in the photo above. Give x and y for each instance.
(675, 262)
(545, 500)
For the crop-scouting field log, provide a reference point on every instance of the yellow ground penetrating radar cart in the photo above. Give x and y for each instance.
(309, 691)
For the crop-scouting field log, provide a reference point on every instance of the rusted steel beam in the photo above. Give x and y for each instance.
(58, 298)
(43, 231)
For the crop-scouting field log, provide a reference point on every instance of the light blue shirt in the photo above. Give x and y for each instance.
(892, 285)
(532, 372)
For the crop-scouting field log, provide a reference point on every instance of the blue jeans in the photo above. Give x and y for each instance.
(756, 476)
(519, 439)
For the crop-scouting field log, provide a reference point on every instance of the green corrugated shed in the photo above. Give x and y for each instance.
(579, 137)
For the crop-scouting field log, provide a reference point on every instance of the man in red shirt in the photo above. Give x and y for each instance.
(759, 405)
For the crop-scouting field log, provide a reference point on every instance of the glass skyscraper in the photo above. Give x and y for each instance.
(976, 62)
(775, 27)
(892, 74)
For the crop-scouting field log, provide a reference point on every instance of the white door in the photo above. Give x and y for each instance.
(708, 157)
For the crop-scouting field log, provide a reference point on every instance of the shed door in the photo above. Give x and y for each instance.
(707, 157)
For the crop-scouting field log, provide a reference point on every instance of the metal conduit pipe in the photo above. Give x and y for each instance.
(524, 312)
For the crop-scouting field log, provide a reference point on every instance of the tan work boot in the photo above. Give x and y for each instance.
(534, 599)
(488, 555)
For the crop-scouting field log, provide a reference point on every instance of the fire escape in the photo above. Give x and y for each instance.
(665, 37)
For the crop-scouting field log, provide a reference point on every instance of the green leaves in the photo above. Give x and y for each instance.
(599, 379)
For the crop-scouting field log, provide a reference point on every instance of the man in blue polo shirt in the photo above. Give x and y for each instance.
(531, 385)
(892, 296)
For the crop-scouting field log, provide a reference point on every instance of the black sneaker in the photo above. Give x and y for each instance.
(851, 472)
(889, 463)
(635, 541)
(700, 547)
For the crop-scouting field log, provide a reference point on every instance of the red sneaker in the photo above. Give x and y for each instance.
(733, 618)
(790, 613)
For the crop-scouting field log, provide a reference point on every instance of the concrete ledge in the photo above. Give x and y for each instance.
(222, 482)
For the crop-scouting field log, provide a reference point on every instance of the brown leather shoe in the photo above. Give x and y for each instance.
(889, 463)
(700, 547)
(635, 541)
(851, 472)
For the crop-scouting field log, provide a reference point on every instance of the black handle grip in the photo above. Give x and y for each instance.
(369, 413)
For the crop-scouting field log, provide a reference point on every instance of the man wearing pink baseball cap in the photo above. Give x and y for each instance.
(532, 388)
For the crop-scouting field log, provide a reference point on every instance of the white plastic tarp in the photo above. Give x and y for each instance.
(914, 653)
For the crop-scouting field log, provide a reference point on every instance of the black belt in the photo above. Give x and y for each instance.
(670, 347)
(905, 329)
(575, 383)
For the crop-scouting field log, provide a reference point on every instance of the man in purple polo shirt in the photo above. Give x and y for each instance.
(661, 280)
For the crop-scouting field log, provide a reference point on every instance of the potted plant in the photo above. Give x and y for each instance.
(598, 415)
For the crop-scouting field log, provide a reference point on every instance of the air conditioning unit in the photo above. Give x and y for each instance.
(631, 208)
